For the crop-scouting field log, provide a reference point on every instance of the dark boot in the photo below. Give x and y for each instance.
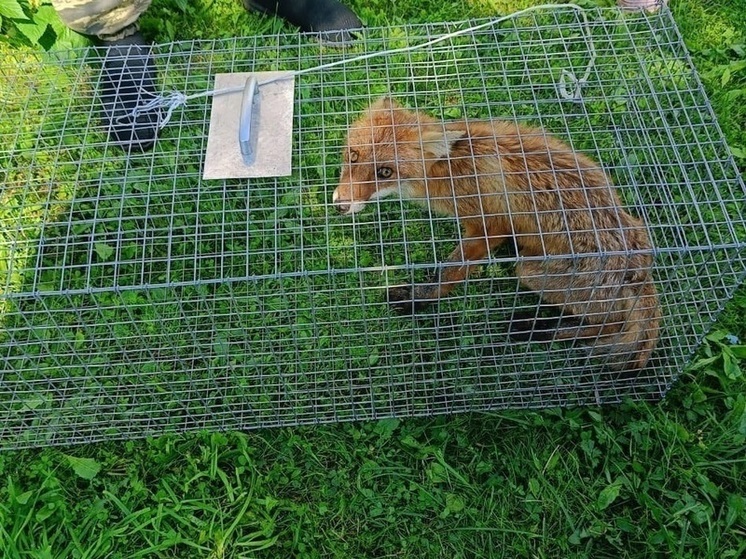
(128, 80)
(332, 20)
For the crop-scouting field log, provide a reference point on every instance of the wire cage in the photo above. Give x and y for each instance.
(137, 298)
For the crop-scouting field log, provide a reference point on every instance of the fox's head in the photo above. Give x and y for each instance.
(389, 151)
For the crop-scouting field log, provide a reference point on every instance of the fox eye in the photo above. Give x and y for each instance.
(384, 172)
(354, 156)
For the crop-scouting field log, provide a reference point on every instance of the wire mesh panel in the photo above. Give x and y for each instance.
(137, 298)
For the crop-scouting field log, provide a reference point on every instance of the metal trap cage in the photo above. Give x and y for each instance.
(137, 298)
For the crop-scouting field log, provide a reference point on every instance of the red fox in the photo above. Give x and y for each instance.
(578, 249)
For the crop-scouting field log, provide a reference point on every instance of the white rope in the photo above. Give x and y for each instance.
(569, 86)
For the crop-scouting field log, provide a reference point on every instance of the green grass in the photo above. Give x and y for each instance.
(636, 480)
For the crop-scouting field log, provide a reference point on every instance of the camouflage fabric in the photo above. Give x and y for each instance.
(106, 19)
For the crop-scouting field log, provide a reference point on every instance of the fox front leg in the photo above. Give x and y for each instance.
(476, 245)
(409, 299)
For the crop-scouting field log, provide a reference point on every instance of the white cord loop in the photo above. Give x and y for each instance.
(569, 87)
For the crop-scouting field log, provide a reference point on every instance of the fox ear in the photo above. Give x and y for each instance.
(437, 144)
(386, 103)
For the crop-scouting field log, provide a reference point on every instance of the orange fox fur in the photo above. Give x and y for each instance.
(583, 252)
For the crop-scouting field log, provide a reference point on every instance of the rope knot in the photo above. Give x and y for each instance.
(168, 102)
(570, 86)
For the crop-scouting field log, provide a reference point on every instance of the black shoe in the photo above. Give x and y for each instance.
(332, 20)
(128, 80)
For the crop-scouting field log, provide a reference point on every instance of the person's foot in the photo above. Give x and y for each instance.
(128, 80)
(648, 5)
(332, 20)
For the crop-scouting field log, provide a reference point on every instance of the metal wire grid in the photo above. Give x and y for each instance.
(137, 299)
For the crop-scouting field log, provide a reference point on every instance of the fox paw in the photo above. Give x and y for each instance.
(527, 327)
(401, 300)
(530, 328)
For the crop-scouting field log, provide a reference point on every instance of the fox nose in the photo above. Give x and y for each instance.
(343, 206)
